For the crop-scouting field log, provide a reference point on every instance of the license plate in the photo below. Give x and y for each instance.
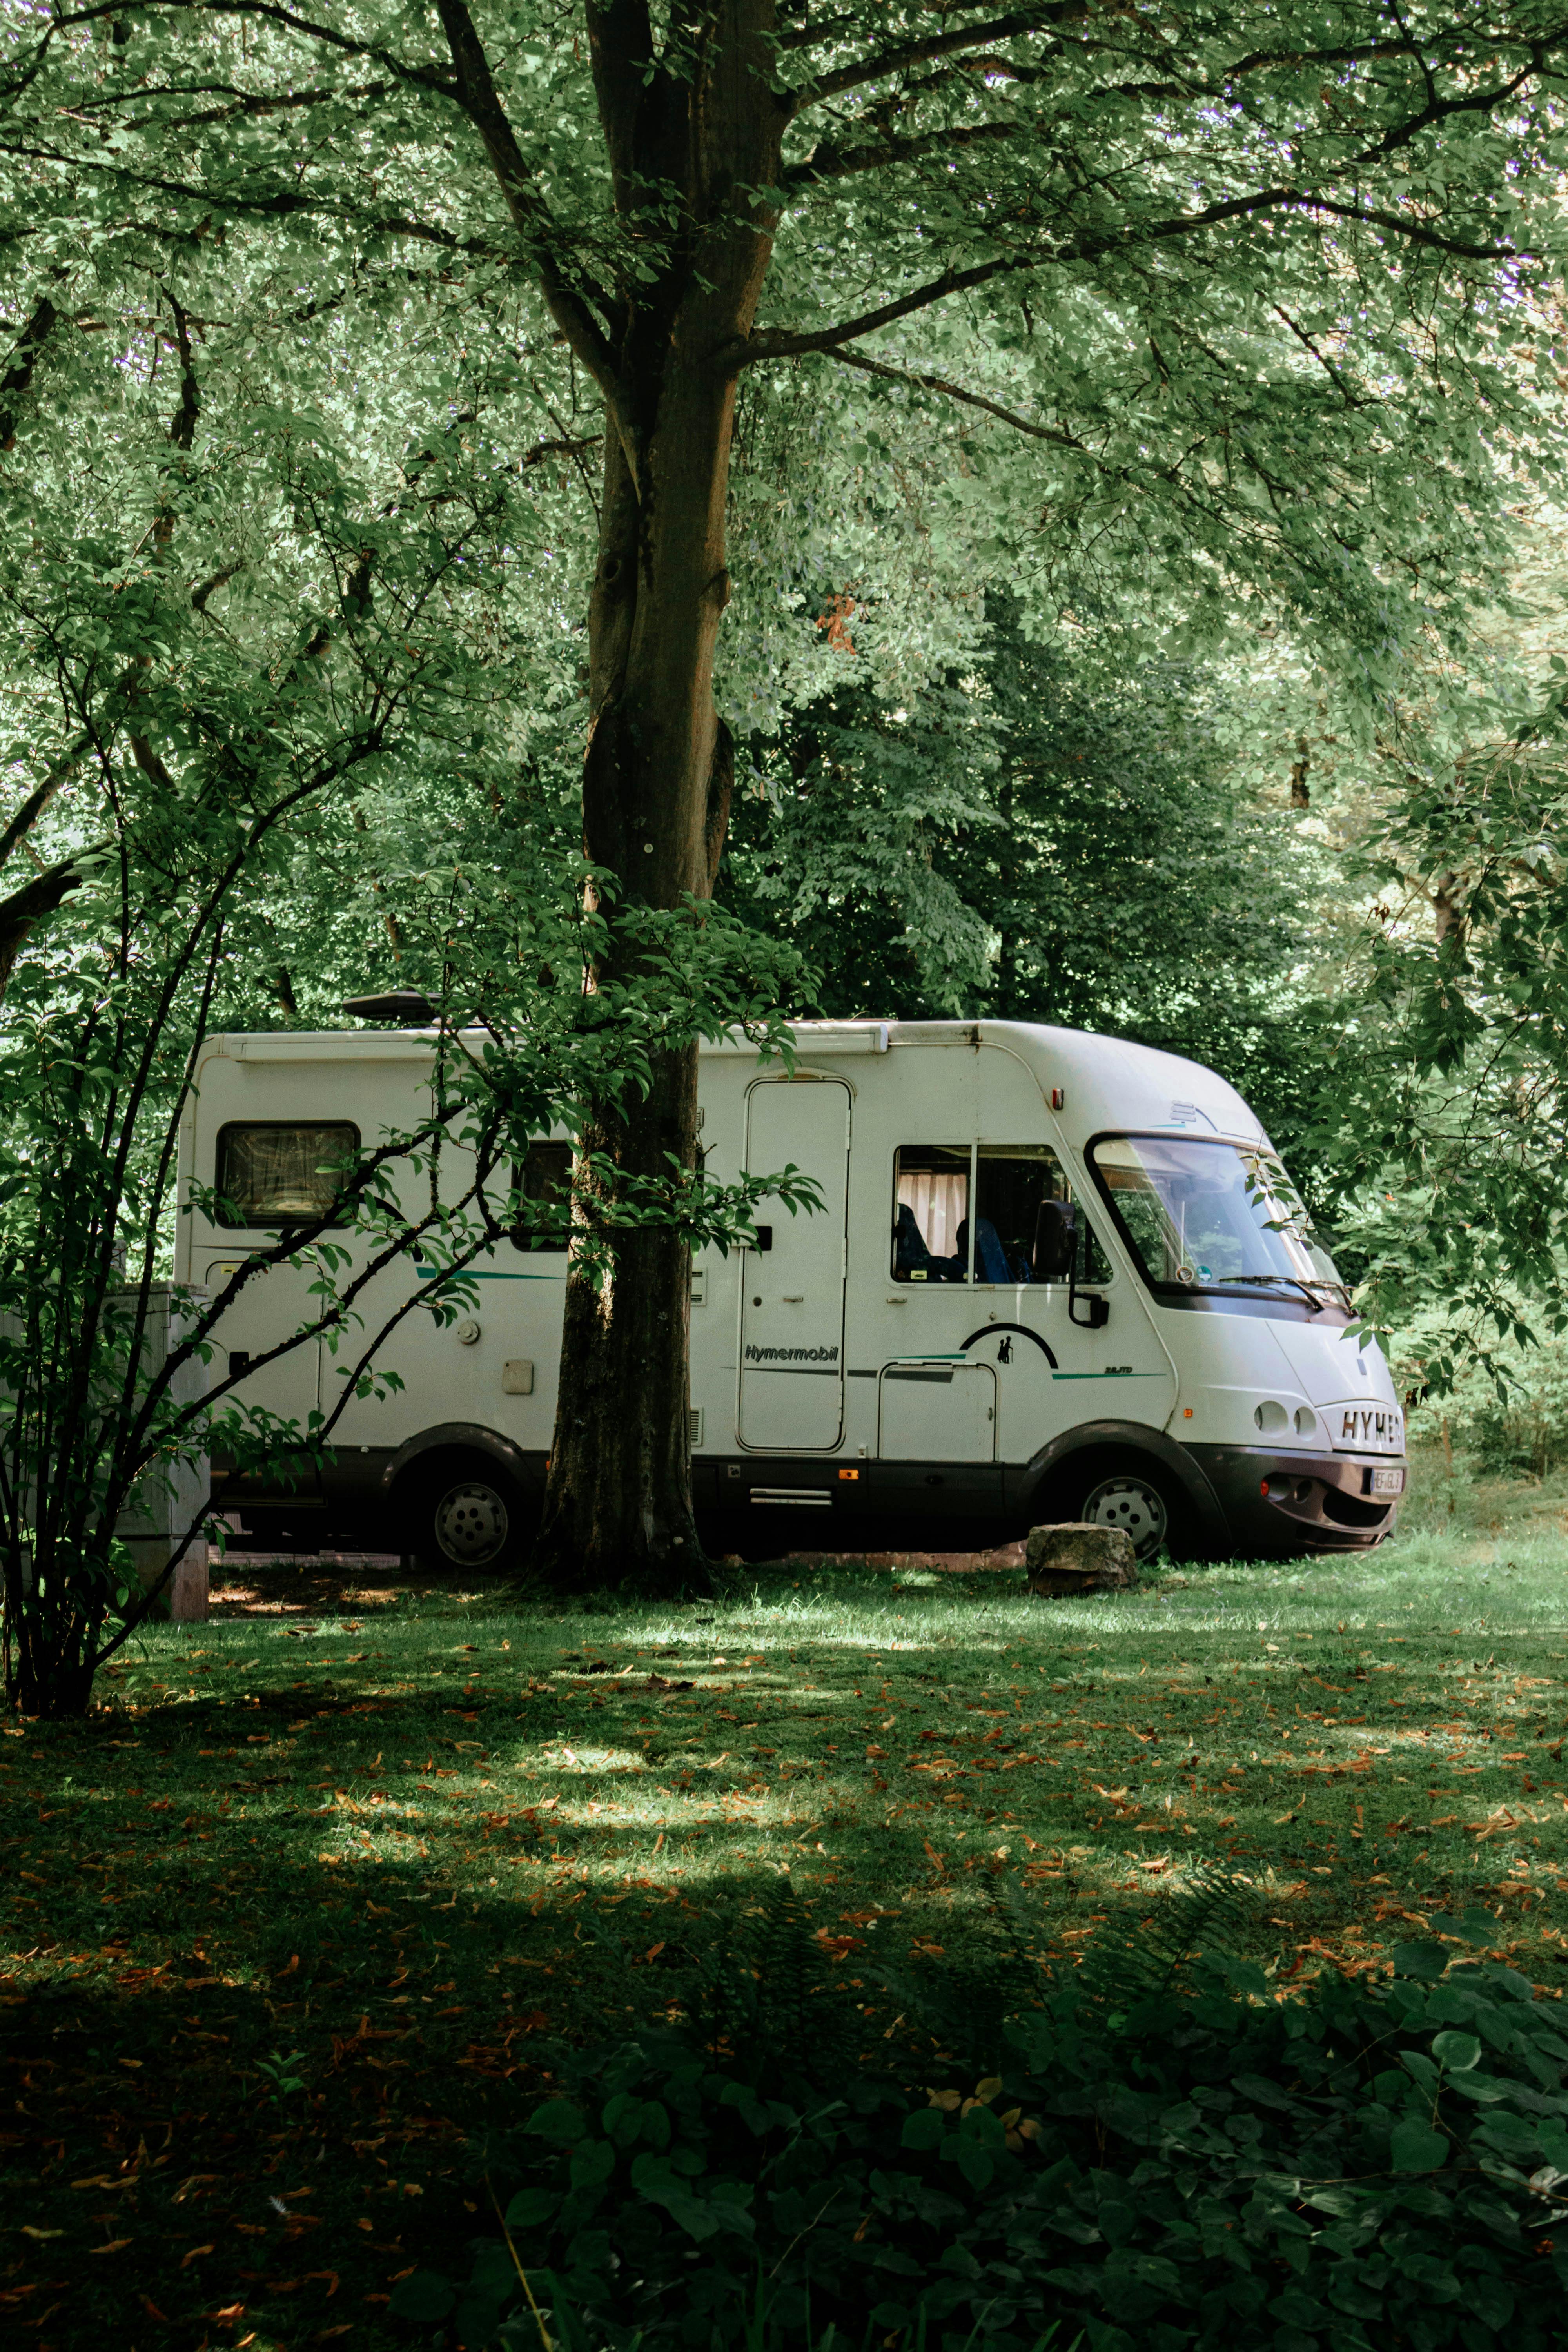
(1390, 1480)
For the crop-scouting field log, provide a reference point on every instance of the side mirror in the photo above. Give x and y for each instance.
(764, 1238)
(1056, 1239)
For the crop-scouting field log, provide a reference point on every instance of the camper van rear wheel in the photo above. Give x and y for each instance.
(472, 1522)
(1128, 1499)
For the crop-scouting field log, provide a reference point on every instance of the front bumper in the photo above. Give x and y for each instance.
(1277, 1504)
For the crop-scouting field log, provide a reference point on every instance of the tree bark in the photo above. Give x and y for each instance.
(658, 766)
(1300, 791)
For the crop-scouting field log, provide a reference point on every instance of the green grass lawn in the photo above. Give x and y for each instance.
(302, 1908)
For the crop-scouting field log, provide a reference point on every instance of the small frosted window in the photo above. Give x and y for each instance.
(270, 1174)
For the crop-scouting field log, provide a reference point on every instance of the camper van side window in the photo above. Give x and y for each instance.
(1011, 1181)
(931, 1212)
(544, 1177)
(272, 1174)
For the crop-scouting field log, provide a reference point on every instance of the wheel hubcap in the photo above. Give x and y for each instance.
(1130, 1504)
(471, 1525)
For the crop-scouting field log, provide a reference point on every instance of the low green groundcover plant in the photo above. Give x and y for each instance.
(1357, 2167)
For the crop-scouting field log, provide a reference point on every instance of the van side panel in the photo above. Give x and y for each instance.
(928, 1371)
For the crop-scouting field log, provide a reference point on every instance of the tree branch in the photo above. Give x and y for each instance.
(247, 105)
(1336, 375)
(476, 95)
(806, 36)
(426, 76)
(783, 345)
(923, 382)
(283, 203)
(1169, 472)
(217, 579)
(38, 801)
(24, 355)
(937, 45)
(827, 162)
(837, 29)
(28, 905)
(472, 86)
(542, 449)
(1438, 110)
(957, 41)
(183, 430)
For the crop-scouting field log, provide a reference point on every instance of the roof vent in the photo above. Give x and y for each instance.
(402, 1004)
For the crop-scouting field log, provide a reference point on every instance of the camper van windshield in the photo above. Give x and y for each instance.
(1204, 1216)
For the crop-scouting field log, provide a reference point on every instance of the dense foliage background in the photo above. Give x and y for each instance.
(1147, 623)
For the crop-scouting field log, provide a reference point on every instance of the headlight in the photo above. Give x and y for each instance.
(1272, 1419)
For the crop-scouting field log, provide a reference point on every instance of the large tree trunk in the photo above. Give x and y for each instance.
(618, 1504)
(658, 766)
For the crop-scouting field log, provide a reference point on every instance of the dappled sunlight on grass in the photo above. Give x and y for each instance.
(413, 1849)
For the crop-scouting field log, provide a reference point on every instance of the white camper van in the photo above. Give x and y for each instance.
(1057, 1276)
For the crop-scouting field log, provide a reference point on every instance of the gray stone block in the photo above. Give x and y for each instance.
(1077, 1556)
(172, 1497)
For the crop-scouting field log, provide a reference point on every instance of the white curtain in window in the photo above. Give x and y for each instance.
(940, 1200)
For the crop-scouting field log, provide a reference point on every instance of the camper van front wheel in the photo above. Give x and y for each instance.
(470, 1523)
(1127, 1499)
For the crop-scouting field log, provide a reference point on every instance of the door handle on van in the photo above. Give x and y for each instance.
(794, 1297)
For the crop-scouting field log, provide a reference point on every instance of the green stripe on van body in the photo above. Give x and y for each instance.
(424, 1273)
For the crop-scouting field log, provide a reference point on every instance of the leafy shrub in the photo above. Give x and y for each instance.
(1358, 2167)
(1505, 1413)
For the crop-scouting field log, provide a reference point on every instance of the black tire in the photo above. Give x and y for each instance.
(1131, 1493)
(470, 1515)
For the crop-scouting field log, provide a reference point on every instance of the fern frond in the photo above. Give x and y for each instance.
(1214, 1911)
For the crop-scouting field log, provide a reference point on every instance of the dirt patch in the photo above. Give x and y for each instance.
(1008, 1558)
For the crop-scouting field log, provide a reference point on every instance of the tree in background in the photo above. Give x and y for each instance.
(1051, 834)
(1216, 301)
(1439, 1109)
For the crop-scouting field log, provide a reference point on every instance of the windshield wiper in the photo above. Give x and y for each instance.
(1307, 1289)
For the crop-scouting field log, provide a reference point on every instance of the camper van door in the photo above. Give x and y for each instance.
(792, 1297)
